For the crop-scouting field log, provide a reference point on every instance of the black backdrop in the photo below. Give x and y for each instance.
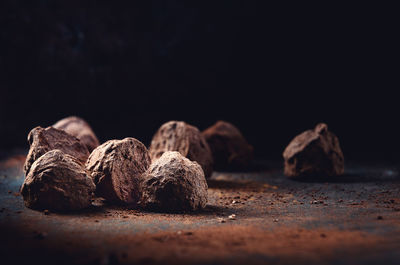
(272, 70)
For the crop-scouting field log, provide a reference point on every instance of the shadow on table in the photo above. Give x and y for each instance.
(354, 177)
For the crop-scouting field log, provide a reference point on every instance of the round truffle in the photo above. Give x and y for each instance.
(80, 129)
(174, 183)
(314, 153)
(184, 138)
(229, 148)
(116, 168)
(58, 182)
(44, 140)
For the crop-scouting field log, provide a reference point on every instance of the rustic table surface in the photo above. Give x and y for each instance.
(253, 217)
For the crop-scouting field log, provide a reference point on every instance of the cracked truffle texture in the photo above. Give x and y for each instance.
(314, 153)
(59, 182)
(229, 148)
(80, 129)
(43, 140)
(174, 183)
(116, 168)
(184, 138)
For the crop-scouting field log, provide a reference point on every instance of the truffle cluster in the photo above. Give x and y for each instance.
(66, 167)
(62, 175)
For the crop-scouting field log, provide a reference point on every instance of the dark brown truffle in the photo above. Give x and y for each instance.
(44, 140)
(58, 182)
(229, 148)
(184, 138)
(314, 153)
(80, 129)
(116, 168)
(174, 183)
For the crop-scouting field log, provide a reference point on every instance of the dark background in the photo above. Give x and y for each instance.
(272, 70)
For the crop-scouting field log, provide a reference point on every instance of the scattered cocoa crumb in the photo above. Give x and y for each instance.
(232, 217)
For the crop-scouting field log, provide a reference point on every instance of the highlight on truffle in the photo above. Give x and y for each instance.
(43, 140)
(58, 182)
(79, 128)
(116, 168)
(174, 183)
(184, 138)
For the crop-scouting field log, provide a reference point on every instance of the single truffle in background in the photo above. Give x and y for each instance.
(184, 138)
(229, 148)
(174, 183)
(57, 182)
(43, 140)
(116, 168)
(314, 153)
(80, 129)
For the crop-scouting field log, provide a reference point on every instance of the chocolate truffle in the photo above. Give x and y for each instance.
(184, 138)
(229, 148)
(44, 140)
(58, 182)
(174, 183)
(314, 153)
(116, 168)
(80, 129)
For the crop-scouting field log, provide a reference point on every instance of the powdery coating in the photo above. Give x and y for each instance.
(116, 168)
(80, 129)
(314, 153)
(44, 140)
(184, 138)
(174, 183)
(228, 146)
(58, 182)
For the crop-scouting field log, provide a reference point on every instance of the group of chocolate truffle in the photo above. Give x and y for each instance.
(66, 166)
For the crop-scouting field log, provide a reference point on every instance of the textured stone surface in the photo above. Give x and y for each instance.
(314, 153)
(80, 129)
(116, 168)
(42, 140)
(184, 138)
(174, 183)
(58, 182)
(229, 148)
